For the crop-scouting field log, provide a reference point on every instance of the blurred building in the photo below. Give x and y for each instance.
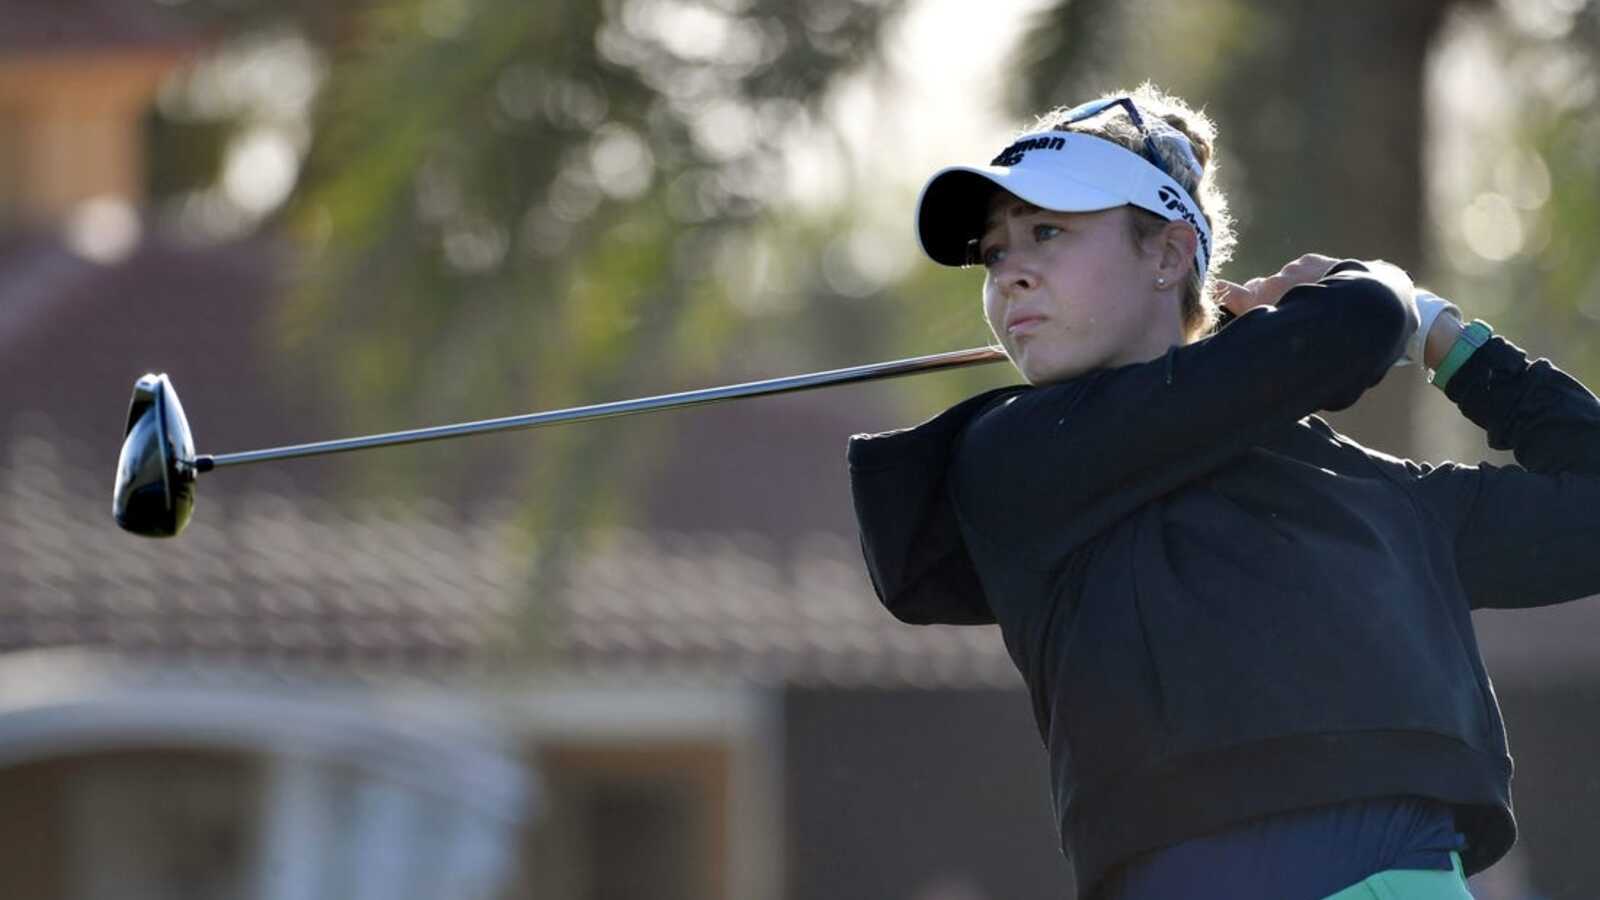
(704, 715)
(147, 781)
(295, 701)
(144, 774)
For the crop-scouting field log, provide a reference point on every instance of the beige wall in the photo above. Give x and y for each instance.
(70, 129)
(33, 842)
(617, 817)
(126, 825)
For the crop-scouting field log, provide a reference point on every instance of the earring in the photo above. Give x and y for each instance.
(1161, 281)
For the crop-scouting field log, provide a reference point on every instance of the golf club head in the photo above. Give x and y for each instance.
(154, 494)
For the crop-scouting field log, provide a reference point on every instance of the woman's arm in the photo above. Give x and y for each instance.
(1549, 421)
(1528, 534)
(1087, 451)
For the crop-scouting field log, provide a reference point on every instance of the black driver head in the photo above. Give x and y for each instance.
(156, 472)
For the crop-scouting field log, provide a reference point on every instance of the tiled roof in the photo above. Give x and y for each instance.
(269, 582)
(710, 604)
(298, 585)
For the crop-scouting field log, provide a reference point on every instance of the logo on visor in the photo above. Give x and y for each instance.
(1175, 203)
(1013, 154)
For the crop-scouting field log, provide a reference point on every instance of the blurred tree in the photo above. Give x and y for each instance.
(1520, 98)
(509, 205)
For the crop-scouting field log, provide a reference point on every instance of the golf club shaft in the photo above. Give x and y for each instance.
(870, 372)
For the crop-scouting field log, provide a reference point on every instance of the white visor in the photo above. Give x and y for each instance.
(1062, 171)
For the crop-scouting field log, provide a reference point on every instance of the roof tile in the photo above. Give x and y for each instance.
(296, 584)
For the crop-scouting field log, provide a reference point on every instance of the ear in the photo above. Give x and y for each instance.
(1177, 242)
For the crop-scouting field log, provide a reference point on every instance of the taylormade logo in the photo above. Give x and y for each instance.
(1013, 154)
(1175, 203)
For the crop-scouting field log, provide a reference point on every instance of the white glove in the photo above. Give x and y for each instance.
(1429, 306)
(1396, 279)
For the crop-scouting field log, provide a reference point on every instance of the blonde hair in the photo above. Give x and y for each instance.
(1199, 309)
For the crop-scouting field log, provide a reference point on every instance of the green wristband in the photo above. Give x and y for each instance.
(1471, 338)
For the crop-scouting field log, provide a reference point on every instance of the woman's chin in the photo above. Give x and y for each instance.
(1039, 370)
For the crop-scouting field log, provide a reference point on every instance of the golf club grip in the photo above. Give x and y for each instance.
(788, 384)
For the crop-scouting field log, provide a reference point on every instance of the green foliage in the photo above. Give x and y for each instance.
(1527, 200)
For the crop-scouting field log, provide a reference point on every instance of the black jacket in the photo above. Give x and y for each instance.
(1222, 607)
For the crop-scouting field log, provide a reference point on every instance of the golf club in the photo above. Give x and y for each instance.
(156, 471)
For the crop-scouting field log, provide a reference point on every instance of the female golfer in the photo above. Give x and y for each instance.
(1245, 636)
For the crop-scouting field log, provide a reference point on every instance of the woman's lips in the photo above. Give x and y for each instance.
(1022, 324)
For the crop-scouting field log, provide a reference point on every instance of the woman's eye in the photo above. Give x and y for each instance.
(994, 253)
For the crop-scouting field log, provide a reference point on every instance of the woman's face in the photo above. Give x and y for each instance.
(1067, 293)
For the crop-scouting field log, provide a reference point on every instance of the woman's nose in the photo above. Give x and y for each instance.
(1014, 275)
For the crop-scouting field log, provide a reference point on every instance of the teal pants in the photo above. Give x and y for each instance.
(1411, 884)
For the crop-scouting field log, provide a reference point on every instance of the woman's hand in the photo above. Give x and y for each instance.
(1423, 345)
(1241, 298)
